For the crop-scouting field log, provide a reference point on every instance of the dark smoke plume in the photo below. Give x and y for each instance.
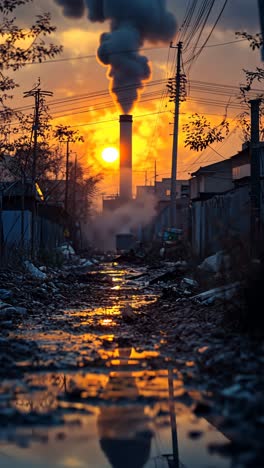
(131, 23)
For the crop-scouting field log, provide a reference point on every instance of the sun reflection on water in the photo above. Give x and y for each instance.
(107, 322)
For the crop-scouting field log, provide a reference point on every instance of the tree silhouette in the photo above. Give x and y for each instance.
(18, 47)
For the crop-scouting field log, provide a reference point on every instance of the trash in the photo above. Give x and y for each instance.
(231, 391)
(165, 276)
(162, 252)
(67, 251)
(34, 271)
(216, 263)
(189, 282)
(223, 292)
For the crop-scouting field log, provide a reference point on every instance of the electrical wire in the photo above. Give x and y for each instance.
(195, 86)
(195, 57)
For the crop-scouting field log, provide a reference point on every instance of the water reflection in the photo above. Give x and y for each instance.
(124, 431)
(121, 410)
(126, 418)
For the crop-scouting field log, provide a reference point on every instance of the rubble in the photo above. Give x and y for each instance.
(225, 293)
(223, 367)
(34, 271)
(5, 294)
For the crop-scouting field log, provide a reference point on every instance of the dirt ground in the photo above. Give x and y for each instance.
(64, 338)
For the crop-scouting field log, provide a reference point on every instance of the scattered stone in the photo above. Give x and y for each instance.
(5, 294)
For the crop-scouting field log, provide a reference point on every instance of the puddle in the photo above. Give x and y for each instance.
(118, 419)
(105, 404)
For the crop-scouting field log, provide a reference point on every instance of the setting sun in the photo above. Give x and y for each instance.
(110, 155)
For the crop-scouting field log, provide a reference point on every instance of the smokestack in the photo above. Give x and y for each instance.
(126, 157)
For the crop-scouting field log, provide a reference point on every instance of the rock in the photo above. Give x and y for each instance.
(87, 263)
(128, 314)
(216, 263)
(21, 310)
(5, 294)
(7, 311)
(3, 341)
(34, 271)
(4, 305)
(41, 292)
(96, 262)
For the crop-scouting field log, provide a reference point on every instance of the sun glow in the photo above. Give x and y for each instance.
(110, 155)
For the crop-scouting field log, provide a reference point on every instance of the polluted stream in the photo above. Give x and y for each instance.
(99, 393)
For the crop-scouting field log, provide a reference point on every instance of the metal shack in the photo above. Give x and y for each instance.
(125, 242)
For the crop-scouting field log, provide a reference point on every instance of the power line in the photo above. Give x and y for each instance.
(195, 57)
(209, 87)
(199, 86)
(91, 56)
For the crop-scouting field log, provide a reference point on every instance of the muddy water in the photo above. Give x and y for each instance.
(100, 398)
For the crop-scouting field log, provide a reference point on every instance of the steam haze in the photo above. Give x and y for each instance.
(132, 22)
(126, 219)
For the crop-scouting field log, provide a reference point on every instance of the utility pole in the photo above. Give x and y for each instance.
(74, 216)
(155, 176)
(66, 195)
(74, 184)
(67, 175)
(176, 94)
(23, 215)
(38, 94)
(255, 176)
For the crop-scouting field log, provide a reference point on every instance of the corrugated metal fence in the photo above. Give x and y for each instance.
(16, 233)
(219, 219)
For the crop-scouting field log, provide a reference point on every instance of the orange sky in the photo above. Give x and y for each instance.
(96, 116)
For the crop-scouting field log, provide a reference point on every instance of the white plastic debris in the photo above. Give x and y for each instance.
(189, 282)
(223, 292)
(216, 263)
(162, 252)
(67, 251)
(34, 271)
(231, 391)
